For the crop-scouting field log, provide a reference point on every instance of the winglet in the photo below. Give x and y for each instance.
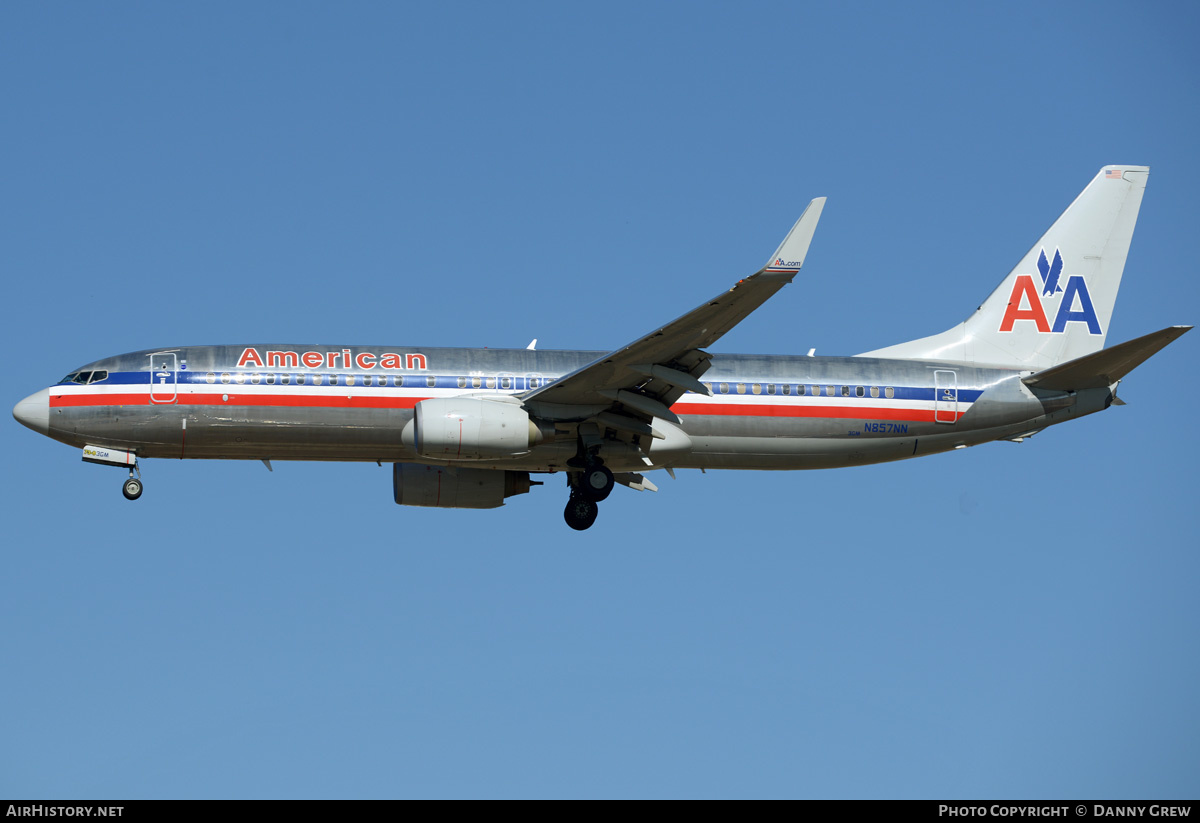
(789, 257)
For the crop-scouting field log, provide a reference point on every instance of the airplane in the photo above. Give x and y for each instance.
(466, 428)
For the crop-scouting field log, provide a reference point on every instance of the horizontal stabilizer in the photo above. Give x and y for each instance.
(1107, 366)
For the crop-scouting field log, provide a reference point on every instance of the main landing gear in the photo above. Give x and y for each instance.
(588, 487)
(581, 512)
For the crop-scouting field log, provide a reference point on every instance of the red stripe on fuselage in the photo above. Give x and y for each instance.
(830, 412)
(367, 401)
(312, 400)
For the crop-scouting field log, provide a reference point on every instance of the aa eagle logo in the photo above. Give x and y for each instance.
(1069, 304)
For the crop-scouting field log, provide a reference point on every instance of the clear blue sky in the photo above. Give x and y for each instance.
(1004, 621)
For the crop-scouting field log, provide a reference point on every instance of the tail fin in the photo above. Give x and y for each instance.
(1056, 304)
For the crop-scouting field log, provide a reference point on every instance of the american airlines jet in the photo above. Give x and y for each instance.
(466, 428)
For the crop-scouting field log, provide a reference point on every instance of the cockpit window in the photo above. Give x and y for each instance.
(82, 378)
(97, 376)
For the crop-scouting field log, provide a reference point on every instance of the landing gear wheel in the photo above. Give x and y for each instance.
(581, 512)
(132, 489)
(596, 483)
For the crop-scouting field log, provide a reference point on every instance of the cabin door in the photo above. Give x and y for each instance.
(945, 396)
(162, 377)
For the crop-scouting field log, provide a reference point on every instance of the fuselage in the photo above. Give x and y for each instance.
(315, 402)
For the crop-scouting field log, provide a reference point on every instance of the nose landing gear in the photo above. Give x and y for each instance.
(104, 456)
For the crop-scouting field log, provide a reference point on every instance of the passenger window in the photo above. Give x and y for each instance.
(506, 382)
(889, 392)
(211, 377)
(491, 382)
(476, 382)
(333, 379)
(462, 382)
(874, 391)
(270, 379)
(287, 378)
(770, 388)
(256, 379)
(224, 377)
(349, 380)
(741, 388)
(300, 380)
(845, 391)
(239, 378)
(430, 382)
(859, 392)
(787, 388)
(724, 388)
(317, 379)
(756, 388)
(829, 391)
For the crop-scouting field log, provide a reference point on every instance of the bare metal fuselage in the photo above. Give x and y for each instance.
(766, 412)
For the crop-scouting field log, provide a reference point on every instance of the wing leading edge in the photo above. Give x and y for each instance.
(643, 379)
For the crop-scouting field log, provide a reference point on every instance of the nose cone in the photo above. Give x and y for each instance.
(34, 411)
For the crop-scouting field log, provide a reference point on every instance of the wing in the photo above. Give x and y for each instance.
(645, 377)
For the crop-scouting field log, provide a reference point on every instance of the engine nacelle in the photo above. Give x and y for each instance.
(455, 488)
(470, 428)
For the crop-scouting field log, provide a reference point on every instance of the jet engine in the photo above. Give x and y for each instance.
(470, 428)
(455, 488)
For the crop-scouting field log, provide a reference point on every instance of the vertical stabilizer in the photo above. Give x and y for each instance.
(1056, 304)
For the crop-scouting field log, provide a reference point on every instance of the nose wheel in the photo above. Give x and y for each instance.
(132, 488)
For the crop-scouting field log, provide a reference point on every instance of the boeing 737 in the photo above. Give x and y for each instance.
(466, 428)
